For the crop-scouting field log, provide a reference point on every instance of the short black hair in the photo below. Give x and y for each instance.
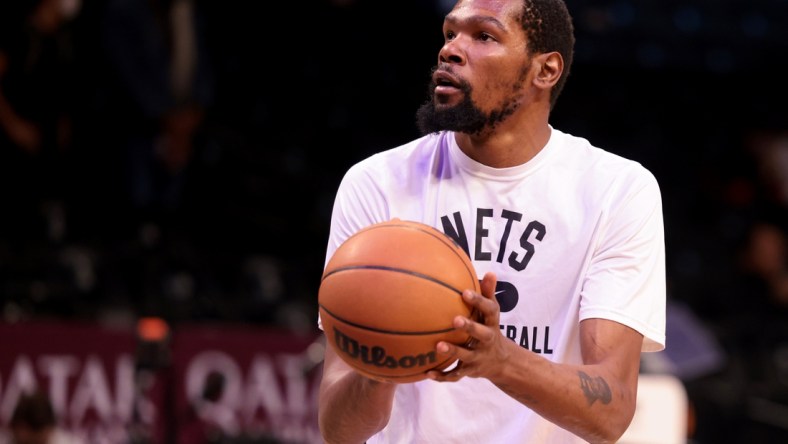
(548, 27)
(33, 410)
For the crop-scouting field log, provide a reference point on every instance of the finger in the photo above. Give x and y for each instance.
(439, 376)
(478, 332)
(487, 308)
(488, 284)
(453, 352)
(451, 375)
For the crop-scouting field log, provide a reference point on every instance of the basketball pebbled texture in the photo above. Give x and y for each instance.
(389, 293)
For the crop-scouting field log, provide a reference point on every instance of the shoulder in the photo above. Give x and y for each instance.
(370, 187)
(402, 159)
(600, 166)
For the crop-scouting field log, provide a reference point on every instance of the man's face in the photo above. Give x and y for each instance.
(482, 71)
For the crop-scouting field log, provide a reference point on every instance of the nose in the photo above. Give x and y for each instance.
(451, 52)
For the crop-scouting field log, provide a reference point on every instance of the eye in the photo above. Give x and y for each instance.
(486, 37)
(450, 35)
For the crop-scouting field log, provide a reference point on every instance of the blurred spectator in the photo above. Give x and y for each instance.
(162, 87)
(745, 299)
(34, 422)
(764, 261)
(770, 150)
(756, 296)
(36, 79)
(739, 403)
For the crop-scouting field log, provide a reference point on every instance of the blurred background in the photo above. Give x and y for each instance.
(168, 170)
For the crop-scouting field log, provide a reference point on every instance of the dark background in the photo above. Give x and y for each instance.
(98, 224)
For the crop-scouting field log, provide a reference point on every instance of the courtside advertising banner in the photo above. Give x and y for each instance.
(237, 384)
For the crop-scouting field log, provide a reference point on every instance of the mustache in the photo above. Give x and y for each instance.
(443, 67)
(464, 85)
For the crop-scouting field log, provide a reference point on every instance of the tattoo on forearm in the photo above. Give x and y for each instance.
(595, 389)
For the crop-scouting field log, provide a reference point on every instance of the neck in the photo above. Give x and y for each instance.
(513, 142)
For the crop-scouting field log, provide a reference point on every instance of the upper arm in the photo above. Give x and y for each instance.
(625, 281)
(611, 358)
(614, 347)
(336, 378)
(334, 368)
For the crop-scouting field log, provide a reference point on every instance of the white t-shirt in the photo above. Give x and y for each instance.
(574, 233)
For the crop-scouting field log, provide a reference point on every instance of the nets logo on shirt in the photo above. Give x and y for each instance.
(516, 252)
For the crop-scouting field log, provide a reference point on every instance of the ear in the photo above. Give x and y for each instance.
(550, 65)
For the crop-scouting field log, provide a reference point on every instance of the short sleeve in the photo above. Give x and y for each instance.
(626, 277)
(358, 203)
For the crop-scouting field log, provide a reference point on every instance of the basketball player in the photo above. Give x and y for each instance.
(568, 239)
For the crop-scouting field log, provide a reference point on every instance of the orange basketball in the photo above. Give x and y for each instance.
(389, 293)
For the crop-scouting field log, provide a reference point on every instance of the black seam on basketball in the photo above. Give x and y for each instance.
(395, 270)
(380, 330)
(443, 240)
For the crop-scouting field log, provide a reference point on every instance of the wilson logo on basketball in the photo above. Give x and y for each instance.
(377, 356)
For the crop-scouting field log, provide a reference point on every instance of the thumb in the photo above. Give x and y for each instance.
(488, 285)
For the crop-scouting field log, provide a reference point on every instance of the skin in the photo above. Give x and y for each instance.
(45, 19)
(22, 132)
(486, 46)
(24, 434)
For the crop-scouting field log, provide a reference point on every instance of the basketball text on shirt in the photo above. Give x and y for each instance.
(534, 338)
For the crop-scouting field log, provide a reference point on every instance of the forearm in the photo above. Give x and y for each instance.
(352, 408)
(587, 400)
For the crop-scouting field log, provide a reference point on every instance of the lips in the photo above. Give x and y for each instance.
(445, 83)
(445, 79)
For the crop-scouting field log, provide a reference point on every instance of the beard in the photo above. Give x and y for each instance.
(466, 116)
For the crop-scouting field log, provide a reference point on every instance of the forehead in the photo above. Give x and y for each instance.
(505, 11)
